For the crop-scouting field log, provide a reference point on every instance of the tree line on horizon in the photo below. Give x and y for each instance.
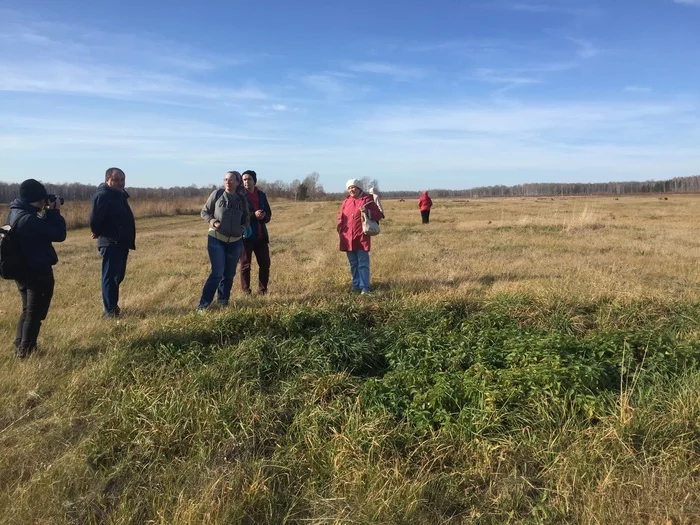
(310, 189)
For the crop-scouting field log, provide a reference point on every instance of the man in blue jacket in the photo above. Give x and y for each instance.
(112, 224)
(256, 239)
(34, 234)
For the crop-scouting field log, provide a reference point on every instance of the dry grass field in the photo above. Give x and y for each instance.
(575, 248)
(294, 407)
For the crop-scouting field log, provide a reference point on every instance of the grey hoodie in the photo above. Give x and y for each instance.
(231, 210)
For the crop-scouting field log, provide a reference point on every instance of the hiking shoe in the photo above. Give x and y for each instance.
(113, 314)
(23, 351)
(365, 292)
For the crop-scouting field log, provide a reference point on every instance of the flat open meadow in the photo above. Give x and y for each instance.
(531, 360)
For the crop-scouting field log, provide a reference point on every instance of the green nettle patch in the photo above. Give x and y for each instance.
(486, 371)
(480, 368)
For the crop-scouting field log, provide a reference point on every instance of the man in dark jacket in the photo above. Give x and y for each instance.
(256, 239)
(112, 224)
(34, 234)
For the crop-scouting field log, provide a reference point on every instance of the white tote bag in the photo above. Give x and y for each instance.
(369, 227)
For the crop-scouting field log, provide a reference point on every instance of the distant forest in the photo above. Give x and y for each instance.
(311, 189)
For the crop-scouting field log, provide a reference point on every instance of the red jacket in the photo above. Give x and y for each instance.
(350, 222)
(425, 202)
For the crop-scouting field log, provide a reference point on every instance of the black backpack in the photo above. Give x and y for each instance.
(12, 265)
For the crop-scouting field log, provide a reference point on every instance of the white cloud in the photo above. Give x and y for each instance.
(514, 77)
(463, 140)
(512, 64)
(21, 36)
(330, 84)
(60, 77)
(334, 85)
(564, 119)
(636, 89)
(156, 136)
(586, 49)
(42, 57)
(688, 2)
(392, 70)
(509, 79)
(474, 47)
(505, 76)
(566, 7)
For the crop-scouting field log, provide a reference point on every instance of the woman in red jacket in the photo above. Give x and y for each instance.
(425, 203)
(352, 239)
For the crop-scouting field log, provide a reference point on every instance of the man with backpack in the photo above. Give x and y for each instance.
(32, 233)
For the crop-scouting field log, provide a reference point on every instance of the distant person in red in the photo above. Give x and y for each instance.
(425, 203)
(353, 240)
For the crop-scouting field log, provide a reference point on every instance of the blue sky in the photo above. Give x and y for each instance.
(417, 94)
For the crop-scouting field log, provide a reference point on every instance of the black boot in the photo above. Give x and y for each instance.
(24, 350)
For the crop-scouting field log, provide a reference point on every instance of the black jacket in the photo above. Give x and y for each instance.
(35, 234)
(111, 219)
(254, 222)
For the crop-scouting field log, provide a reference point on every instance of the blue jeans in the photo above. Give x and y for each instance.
(224, 259)
(113, 272)
(359, 269)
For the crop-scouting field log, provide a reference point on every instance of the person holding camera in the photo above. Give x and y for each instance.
(36, 223)
(112, 224)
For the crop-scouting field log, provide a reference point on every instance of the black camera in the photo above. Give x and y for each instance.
(50, 199)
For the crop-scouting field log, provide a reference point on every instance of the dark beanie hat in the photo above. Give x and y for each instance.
(32, 190)
(252, 174)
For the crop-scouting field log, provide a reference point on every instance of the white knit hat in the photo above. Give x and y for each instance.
(353, 182)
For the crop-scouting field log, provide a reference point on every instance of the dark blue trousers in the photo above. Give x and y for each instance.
(113, 272)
